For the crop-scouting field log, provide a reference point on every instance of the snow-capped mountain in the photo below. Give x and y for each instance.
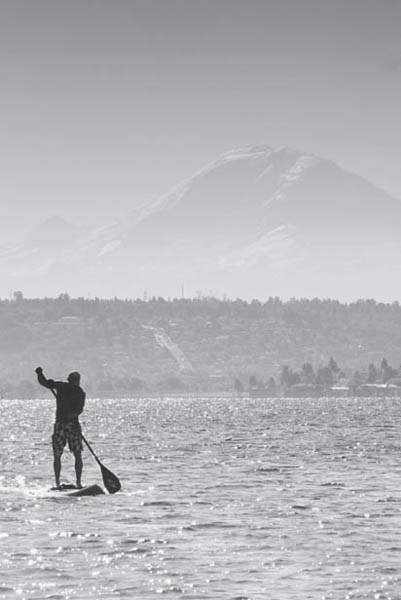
(256, 222)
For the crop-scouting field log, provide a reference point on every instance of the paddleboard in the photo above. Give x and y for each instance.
(69, 489)
(88, 490)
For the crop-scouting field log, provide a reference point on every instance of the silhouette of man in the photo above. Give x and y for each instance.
(70, 401)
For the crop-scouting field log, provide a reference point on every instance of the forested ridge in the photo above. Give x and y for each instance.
(202, 344)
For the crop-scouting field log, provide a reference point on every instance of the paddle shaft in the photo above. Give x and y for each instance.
(91, 450)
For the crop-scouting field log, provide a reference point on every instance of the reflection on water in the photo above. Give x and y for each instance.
(222, 499)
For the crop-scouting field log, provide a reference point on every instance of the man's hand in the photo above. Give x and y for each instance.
(38, 370)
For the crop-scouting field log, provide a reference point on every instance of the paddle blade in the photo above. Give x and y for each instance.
(111, 481)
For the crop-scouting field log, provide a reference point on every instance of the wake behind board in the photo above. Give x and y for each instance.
(69, 489)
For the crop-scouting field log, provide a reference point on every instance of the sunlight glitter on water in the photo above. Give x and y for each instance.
(221, 499)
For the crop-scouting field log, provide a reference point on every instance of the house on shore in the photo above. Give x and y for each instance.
(378, 390)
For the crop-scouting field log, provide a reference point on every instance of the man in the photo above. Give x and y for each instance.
(70, 399)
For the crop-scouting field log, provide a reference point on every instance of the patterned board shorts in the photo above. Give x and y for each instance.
(66, 432)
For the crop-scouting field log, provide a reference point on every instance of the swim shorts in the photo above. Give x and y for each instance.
(66, 432)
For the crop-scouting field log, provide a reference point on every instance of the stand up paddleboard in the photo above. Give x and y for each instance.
(69, 489)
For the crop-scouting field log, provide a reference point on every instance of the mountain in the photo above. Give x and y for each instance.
(256, 222)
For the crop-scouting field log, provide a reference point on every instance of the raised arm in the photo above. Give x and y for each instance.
(47, 383)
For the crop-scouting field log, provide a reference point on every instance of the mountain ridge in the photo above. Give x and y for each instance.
(255, 222)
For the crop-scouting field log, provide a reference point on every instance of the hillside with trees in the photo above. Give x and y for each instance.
(129, 347)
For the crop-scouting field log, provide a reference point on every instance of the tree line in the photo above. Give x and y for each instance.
(325, 376)
(115, 343)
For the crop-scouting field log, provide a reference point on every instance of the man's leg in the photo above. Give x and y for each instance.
(57, 468)
(58, 443)
(78, 467)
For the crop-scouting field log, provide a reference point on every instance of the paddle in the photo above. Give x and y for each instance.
(111, 481)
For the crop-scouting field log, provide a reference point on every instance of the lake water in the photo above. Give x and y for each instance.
(222, 499)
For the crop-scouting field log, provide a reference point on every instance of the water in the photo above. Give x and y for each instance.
(222, 499)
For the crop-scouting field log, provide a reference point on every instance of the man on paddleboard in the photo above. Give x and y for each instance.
(70, 401)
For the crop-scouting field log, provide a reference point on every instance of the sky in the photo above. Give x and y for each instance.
(106, 105)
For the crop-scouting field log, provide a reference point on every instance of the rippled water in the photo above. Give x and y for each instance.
(222, 499)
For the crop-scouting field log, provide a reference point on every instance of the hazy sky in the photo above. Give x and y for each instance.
(105, 104)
